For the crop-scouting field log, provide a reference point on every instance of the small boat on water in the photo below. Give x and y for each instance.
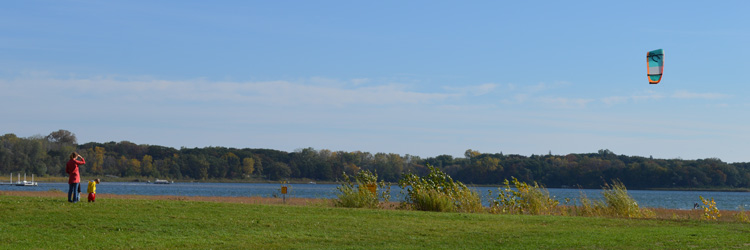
(27, 183)
(157, 181)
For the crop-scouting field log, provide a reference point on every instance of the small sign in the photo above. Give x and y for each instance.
(283, 190)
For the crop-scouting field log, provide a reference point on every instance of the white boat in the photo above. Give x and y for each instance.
(157, 181)
(27, 183)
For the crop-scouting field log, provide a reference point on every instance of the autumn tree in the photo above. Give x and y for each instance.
(147, 166)
(96, 160)
(248, 166)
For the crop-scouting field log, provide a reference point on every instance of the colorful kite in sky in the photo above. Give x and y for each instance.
(655, 59)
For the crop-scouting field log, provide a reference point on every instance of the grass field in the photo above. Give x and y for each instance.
(53, 223)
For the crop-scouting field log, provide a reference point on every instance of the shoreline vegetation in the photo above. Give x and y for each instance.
(438, 192)
(659, 213)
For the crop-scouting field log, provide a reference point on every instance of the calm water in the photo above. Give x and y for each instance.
(663, 199)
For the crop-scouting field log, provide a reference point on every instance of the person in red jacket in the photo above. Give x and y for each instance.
(75, 179)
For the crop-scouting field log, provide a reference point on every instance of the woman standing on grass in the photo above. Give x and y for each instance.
(75, 179)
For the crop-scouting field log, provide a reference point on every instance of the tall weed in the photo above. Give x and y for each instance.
(620, 203)
(617, 203)
(525, 199)
(589, 207)
(741, 215)
(362, 192)
(432, 200)
(438, 192)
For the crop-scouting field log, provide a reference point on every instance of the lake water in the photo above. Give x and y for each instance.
(652, 199)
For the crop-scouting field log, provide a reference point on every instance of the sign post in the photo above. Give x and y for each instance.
(284, 185)
(373, 188)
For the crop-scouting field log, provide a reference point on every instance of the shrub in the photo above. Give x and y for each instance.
(362, 193)
(619, 203)
(438, 192)
(741, 216)
(710, 211)
(432, 200)
(527, 199)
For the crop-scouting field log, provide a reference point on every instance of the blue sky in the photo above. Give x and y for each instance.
(410, 77)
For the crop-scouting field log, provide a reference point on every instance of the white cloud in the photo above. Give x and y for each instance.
(475, 90)
(360, 81)
(561, 102)
(690, 95)
(483, 89)
(649, 95)
(615, 100)
(652, 95)
(546, 86)
(538, 87)
(316, 91)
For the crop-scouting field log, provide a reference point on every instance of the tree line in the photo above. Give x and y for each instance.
(47, 155)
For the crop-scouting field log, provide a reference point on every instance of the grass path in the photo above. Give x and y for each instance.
(53, 223)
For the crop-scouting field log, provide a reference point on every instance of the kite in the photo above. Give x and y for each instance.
(655, 59)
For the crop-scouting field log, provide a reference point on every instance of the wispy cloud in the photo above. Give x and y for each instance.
(313, 91)
(474, 90)
(543, 94)
(561, 102)
(690, 95)
(612, 100)
(652, 95)
(542, 86)
(646, 96)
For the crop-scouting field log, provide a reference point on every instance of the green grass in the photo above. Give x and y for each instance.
(53, 223)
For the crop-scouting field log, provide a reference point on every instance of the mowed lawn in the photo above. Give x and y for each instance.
(53, 223)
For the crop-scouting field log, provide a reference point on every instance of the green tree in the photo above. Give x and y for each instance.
(147, 166)
(133, 167)
(97, 161)
(62, 137)
(248, 166)
(233, 165)
(278, 171)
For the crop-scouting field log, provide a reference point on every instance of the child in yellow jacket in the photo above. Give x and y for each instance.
(92, 190)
